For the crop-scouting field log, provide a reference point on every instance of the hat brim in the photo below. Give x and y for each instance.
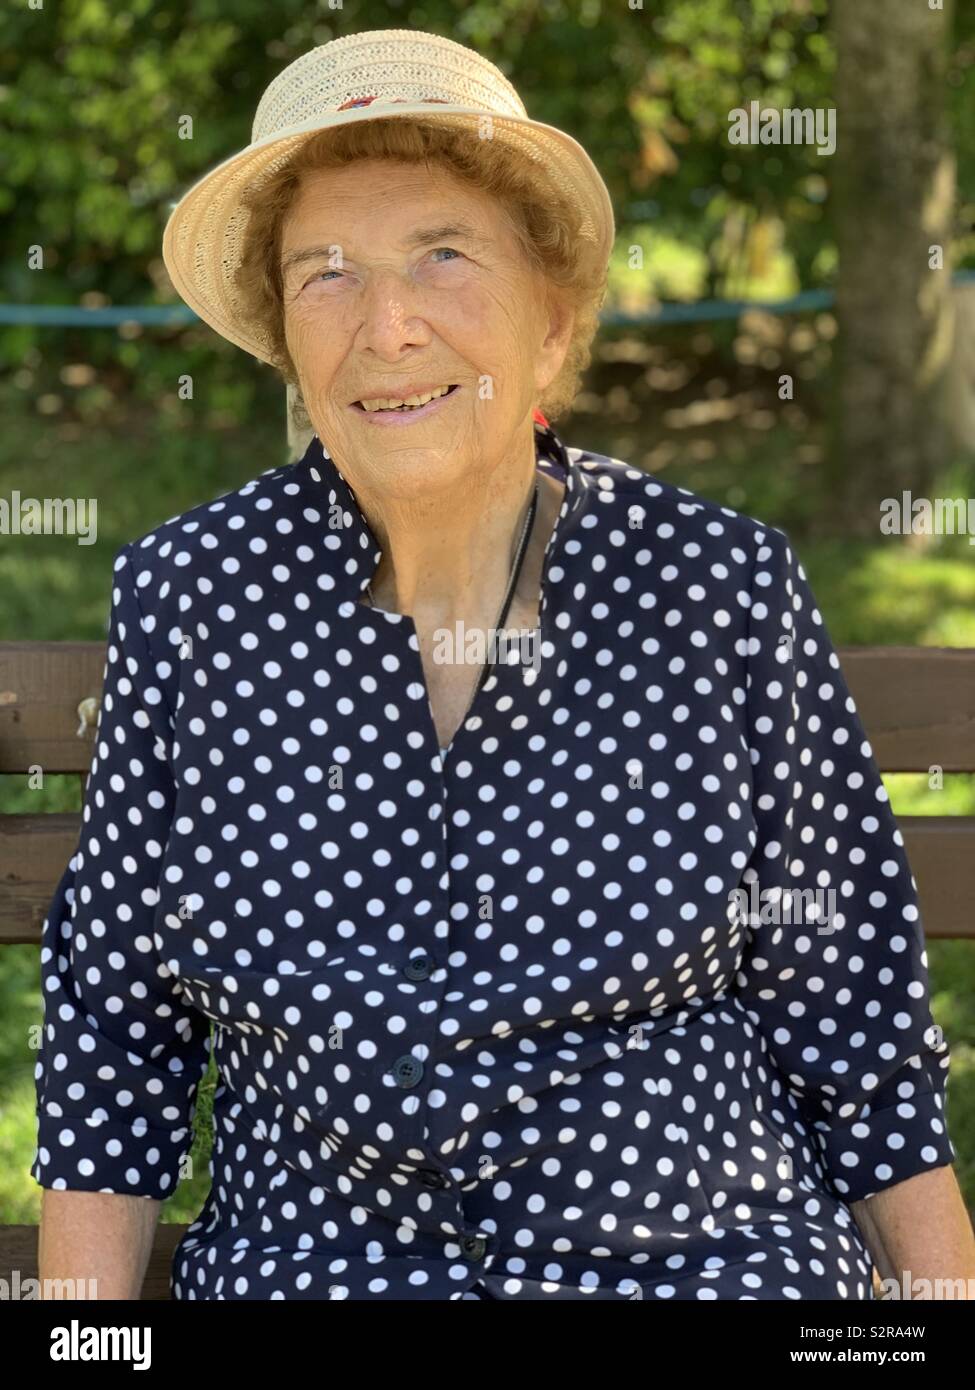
(203, 237)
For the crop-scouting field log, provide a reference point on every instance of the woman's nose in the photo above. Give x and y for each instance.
(393, 313)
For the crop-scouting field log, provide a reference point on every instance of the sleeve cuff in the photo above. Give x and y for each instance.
(96, 1154)
(886, 1146)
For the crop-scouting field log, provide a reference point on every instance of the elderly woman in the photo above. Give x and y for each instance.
(498, 959)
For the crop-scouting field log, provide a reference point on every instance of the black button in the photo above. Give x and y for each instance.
(407, 1071)
(472, 1247)
(432, 1179)
(418, 968)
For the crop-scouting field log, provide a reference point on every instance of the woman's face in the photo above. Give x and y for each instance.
(398, 277)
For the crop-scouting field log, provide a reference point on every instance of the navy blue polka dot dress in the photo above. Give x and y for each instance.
(623, 995)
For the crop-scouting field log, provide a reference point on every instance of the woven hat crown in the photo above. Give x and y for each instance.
(377, 69)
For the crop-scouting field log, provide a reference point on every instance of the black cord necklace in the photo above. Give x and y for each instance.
(513, 580)
(526, 531)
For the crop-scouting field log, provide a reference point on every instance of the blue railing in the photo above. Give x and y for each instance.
(178, 315)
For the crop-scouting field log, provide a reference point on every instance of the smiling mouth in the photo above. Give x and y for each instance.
(376, 409)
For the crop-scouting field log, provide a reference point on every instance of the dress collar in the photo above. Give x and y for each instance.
(358, 551)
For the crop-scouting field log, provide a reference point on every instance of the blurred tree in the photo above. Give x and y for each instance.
(894, 185)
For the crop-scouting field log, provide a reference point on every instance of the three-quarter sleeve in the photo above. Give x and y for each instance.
(836, 980)
(121, 1054)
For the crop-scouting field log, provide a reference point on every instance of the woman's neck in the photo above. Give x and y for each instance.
(453, 563)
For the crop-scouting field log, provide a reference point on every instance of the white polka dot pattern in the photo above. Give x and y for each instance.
(487, 1022)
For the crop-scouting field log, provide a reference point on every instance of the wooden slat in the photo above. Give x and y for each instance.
(917, 705)
(41, 686)
(18, 1252)
(34, 851)
(941, 851)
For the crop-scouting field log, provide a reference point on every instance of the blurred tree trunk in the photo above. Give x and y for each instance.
(893, 191)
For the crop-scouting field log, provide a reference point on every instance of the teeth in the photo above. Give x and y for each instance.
(388, 403)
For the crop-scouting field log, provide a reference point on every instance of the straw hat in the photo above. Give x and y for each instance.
(370, 76)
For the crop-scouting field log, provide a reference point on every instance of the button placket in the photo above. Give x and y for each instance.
(429, 768)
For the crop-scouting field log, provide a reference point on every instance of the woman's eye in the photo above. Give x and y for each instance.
(320, 277)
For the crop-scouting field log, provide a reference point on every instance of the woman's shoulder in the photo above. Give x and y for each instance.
(200, 540)
(657, 506)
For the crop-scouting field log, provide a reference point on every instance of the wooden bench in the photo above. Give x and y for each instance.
(917, 705)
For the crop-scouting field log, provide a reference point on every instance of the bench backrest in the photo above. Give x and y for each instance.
(917, 705)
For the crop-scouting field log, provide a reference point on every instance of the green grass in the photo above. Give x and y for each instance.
(870, 593)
